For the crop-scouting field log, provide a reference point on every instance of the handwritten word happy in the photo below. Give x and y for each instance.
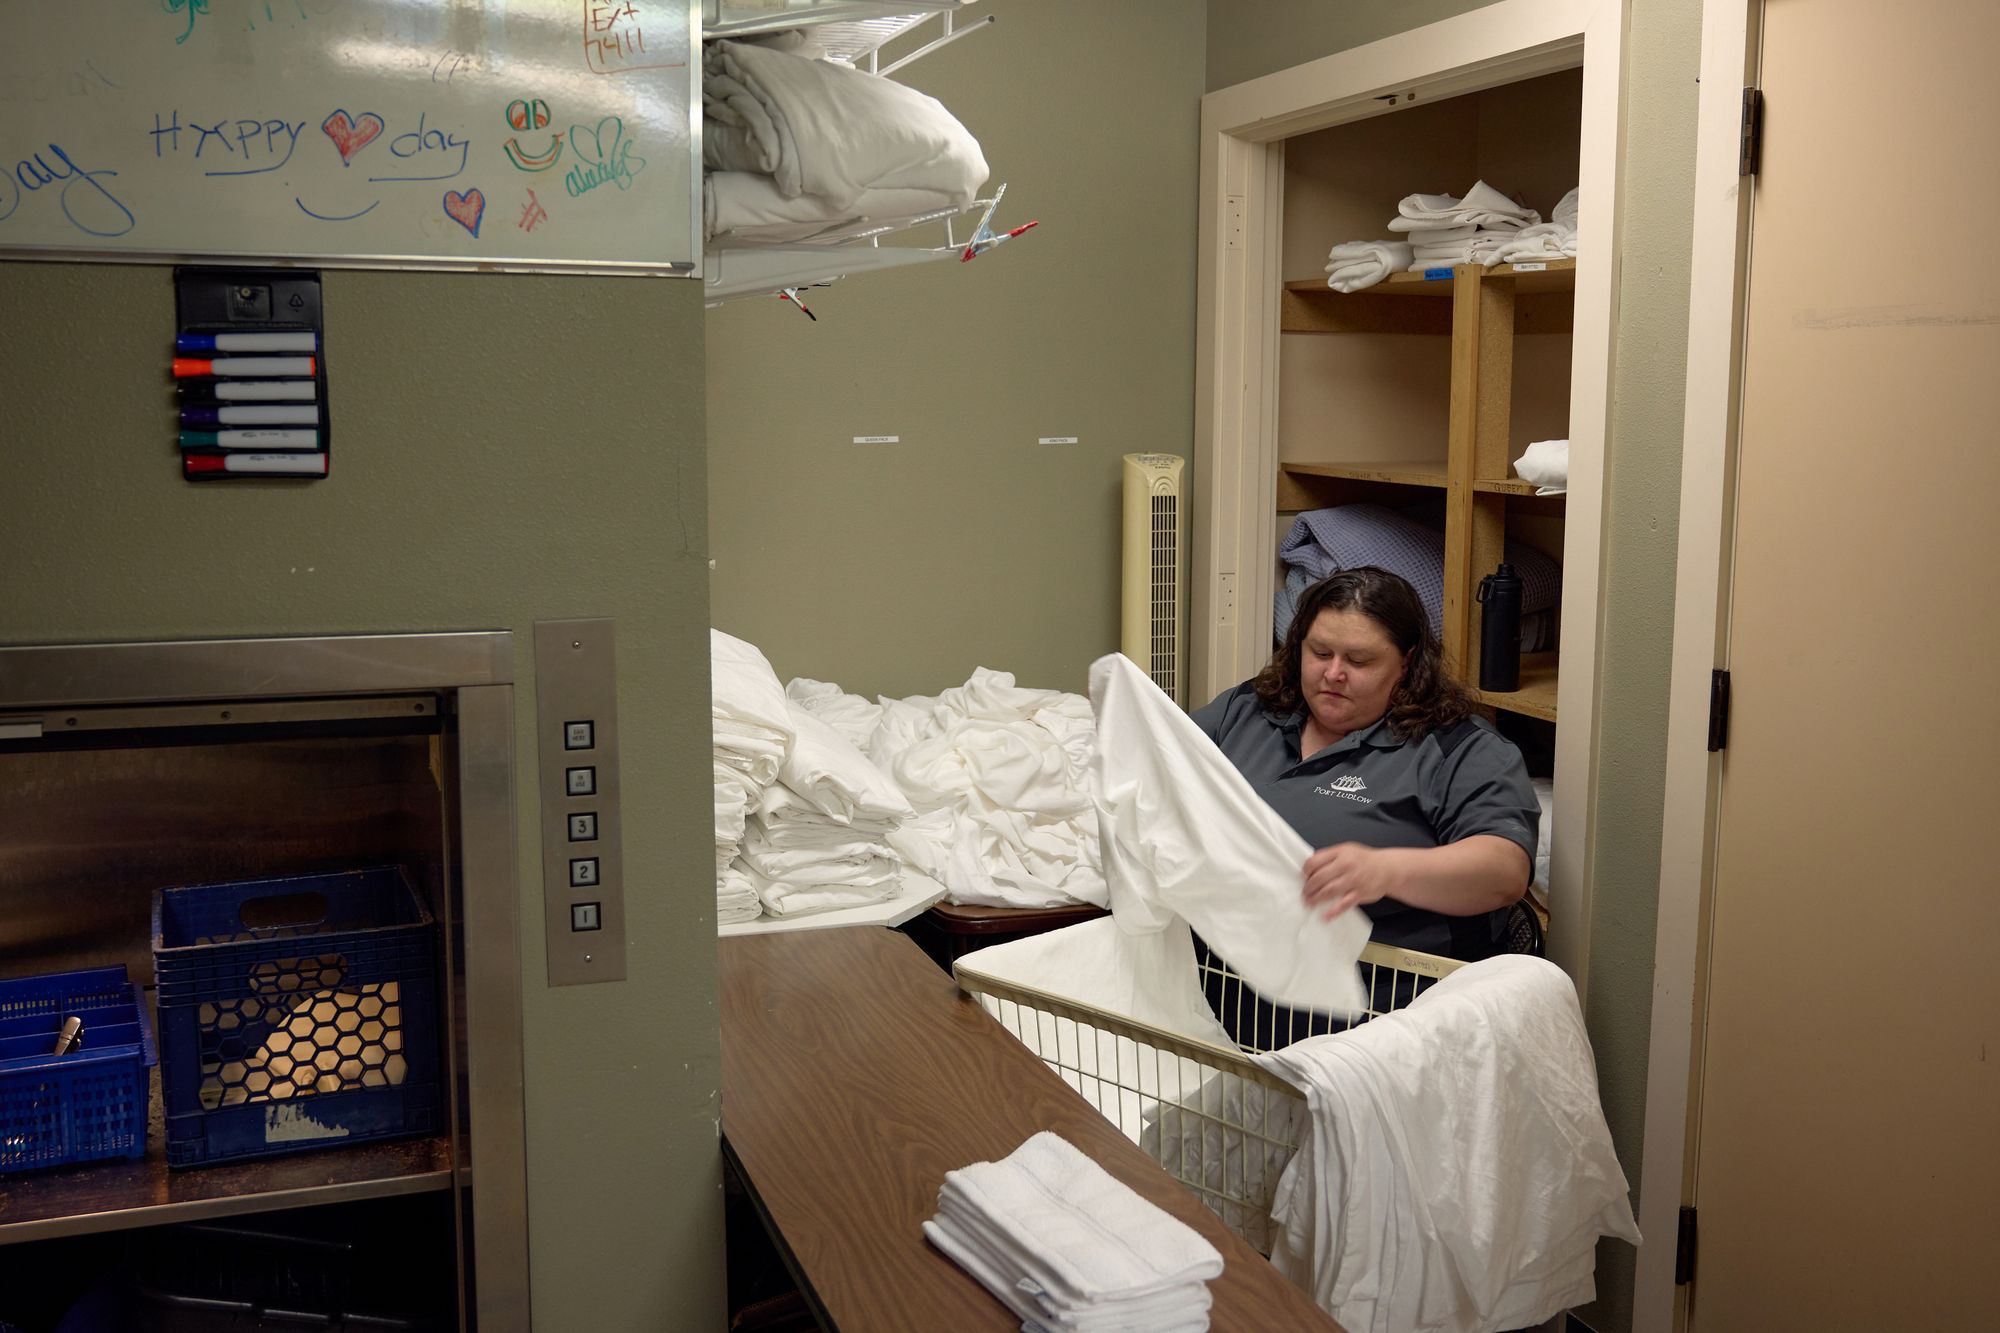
(598, 162)
(238, 147)
(95, 211)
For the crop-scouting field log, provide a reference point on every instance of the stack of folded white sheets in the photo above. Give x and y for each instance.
(751, 728)
(1070, 1249)
(1444, 231)
(819, 837)
(1357, 264)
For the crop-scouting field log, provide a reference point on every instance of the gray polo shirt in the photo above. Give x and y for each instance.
(1375, 788)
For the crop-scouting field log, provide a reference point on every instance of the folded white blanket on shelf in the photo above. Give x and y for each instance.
(1546, 463)
(1544, 242)
(1459, 1171)
(1185, 836)
(1482, 206)
(1443, 234)
(744, 208)
(1358, 264)
(1066, 1246)
(804, 895)
(751, 736)
(826, 771)
(735, 896)
(828, 130)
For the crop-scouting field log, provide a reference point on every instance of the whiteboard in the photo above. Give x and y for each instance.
(534, 134)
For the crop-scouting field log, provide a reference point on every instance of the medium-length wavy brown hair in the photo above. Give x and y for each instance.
(1426, 699)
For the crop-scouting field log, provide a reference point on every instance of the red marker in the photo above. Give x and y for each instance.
(269, 465)
(184, 367)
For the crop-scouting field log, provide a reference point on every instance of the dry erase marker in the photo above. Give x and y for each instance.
(267, 391)
(270, 465)
(249, 439)
(244, 365)
(193, 344)
(251, 414)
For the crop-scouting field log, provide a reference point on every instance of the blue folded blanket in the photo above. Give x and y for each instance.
(1325, 541)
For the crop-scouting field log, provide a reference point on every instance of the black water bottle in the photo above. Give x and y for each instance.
(1500, 631)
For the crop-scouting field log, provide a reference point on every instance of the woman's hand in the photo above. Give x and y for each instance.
(1348, 874)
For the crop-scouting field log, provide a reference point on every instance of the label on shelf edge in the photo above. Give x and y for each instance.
(878, 439)
(1530, 268)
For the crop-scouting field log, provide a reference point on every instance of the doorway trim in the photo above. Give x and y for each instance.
(1236, 354)
(1718, 274)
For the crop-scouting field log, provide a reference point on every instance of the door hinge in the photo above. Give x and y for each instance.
(1750, 136)
(1718, 710)
(1684, 1249)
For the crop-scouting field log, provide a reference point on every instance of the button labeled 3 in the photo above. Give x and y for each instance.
(583, 827)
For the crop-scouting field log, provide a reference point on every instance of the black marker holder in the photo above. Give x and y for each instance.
(253, 300)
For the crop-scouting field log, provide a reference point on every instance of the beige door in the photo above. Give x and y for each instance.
(1847, 1168)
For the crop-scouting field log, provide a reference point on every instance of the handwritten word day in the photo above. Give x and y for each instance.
(336, 166)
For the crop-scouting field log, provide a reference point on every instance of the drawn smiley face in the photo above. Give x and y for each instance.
(527, 114)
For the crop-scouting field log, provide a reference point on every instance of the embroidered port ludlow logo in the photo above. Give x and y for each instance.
(1348, 786)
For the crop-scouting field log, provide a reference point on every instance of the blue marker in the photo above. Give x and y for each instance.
(193, 344)
(303, 414)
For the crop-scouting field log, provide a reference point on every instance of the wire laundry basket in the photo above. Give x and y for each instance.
(1210, 1117)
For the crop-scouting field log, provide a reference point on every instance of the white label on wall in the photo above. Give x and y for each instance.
(878, 439)
(1058, 439)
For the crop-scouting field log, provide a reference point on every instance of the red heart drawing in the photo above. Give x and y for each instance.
(465, 209)
(350, 136)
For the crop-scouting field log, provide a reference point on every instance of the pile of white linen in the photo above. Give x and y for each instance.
(1185, 835)
(819, 838)
(1554, 239)
(1546, 463)
(1444, 231)
(1459, 1171)
(1069, 1248)
(752, 735)
(793, 143)
(1000, 776)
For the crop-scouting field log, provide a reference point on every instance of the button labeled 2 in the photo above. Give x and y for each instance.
(583, 872)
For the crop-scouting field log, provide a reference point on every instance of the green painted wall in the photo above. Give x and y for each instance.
(899, 568)
(1249, 38)
(507, 449)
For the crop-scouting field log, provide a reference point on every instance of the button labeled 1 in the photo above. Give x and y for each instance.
(584, 916)
(583, 872)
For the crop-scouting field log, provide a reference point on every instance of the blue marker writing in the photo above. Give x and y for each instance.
(190, 344)
(304, 414)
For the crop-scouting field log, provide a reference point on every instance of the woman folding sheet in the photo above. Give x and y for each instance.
(1357, 734)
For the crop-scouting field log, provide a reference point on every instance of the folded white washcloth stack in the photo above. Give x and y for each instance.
(1445, 230)
(818, 839)
(1554, 239)
(751, 731)
(1358, 264)
(1070, 1249)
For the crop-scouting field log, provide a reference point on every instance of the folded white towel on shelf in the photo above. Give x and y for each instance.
(1358, 264)
(1548, 240)
(1446, 233)
(1482, 206)
(1546, 463)
(1440, 256)
(1066, 1246)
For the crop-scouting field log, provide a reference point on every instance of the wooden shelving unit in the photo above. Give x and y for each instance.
(1481, 311)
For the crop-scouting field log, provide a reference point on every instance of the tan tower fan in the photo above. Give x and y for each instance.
(1151, 630)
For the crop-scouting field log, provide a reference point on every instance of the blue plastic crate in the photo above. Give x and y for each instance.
(85, 1106)
(295, 1013)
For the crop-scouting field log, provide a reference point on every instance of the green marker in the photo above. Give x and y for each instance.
(250, 439)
